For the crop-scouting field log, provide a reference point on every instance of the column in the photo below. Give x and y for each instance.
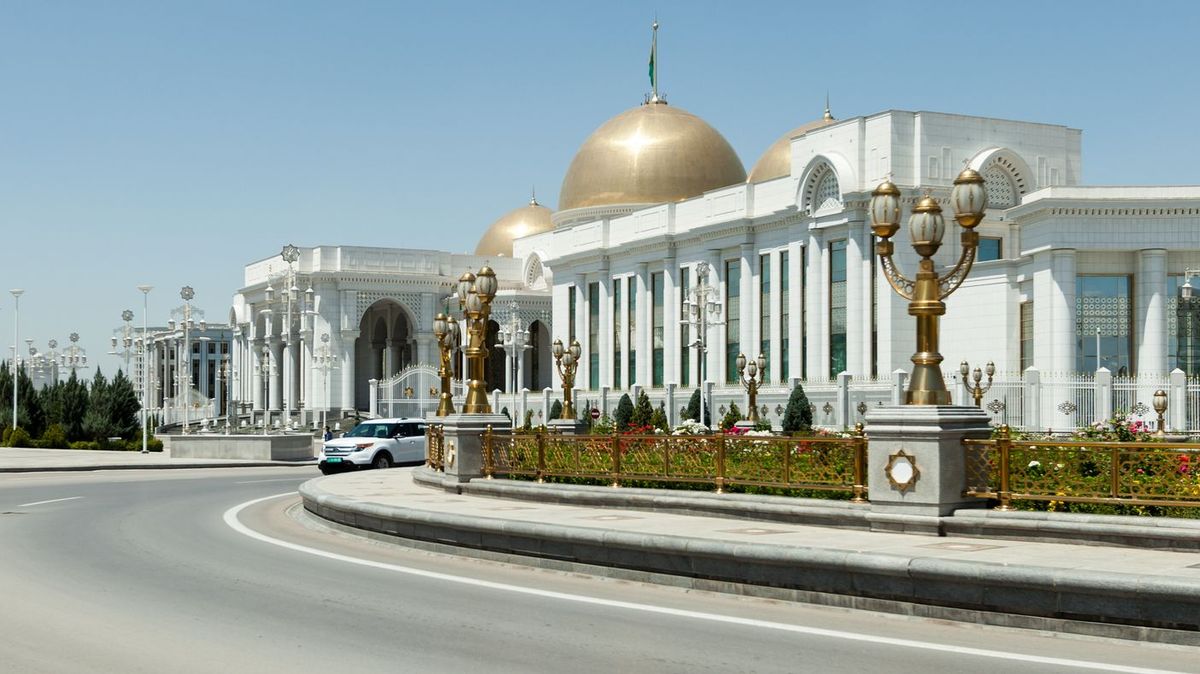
(623, 311)
(748, 316)
(257, 377)
(347, 366)
(275, 403)
(713, 371)
(855, 363)
(1150, 301)
(510, 384)
(645, 327)
(671, 345)
(388, 354)
(605, 347)
(775, 328)
(817, 309)
(1061, 333)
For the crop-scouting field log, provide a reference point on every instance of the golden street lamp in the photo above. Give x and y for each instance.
(750, 374)
(567, 361)
(445, 329)
(477, 307)
(1160, 406)
(975, 389)
(925, 294)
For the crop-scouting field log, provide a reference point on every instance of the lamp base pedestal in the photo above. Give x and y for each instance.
(567, 426)
(463, 435)
(916, 464)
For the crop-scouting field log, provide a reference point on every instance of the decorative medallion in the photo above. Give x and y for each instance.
(996, 406)
(764, 410)
(127, 315)
(862, 408)
(827, 408)
(902, 471)
(812, 407)
(1067, 407)
(721, 409)
(778, 410)
(1140, 409)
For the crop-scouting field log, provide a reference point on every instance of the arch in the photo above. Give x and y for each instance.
(384, 346)
(1006, 176)
(823, 182)
(535, 272)
(540, 360)
(494, 374)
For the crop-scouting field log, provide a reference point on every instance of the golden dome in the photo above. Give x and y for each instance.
(651, 154)
(776, 162)
(524, 221)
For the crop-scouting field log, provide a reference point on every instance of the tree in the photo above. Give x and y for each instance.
(556, 410)
(624, 413)
(74, 406)
(693, 409)
(731, 417)
(797, 417)
(97, 421)
(124, 406)
(642, 412)
(659, 418)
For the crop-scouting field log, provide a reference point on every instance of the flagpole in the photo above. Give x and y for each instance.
(654, 62)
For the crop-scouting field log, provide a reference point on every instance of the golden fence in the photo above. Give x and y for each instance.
(435, 444)
(1131, 473)
(836, 464)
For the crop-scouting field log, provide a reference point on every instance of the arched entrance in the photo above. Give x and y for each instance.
(385, 346)
(540, 361)
(494, 374)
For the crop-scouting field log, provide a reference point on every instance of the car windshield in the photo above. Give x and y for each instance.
(371, 431)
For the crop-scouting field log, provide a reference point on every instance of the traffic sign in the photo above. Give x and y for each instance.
(595, 413)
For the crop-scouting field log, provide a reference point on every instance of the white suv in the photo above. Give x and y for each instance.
(378, 443)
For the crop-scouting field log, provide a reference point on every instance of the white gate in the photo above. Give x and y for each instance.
(412, 392)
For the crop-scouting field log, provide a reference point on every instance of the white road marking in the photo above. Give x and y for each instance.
(53, 500)
(278, 479)
(231, 519)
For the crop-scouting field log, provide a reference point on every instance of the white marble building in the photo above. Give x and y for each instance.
(655, 191)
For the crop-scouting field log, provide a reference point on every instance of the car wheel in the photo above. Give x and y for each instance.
(326, 470)
(382, 460)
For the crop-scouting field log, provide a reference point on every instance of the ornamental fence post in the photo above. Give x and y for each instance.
(616, 460)
(541, 456)
(860, 465)
(1004, 444)
(721, 464)
(489, 460)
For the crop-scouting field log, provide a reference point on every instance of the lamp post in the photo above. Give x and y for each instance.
(290, 255)
(974, 388)
(323, 360)
(750, 374)
(567, 362)
(145, 363)
(125, 341)
(225, 376)
(477, 308)
(1187, 311)
(445, 330)
(74, 356)
(16, 293)
(703, 312)
(264, 368)
(515, 342)
(1160, 407)
(185, 364)
(926, 293)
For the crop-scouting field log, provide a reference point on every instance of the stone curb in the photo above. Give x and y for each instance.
(1116, 600)
(149, 466)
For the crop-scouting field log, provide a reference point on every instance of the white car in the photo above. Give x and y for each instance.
(378, 443)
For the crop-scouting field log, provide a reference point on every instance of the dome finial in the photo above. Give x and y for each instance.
(654, 61)
(533, 195)
(828, 115)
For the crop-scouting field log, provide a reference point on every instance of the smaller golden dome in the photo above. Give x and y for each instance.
(524, 221)
(776, 162)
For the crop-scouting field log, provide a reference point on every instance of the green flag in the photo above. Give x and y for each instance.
(651, 66)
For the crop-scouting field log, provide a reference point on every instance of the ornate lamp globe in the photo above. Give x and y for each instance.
(439, 326)
(474, 304)
(752, 368)
(885, 210)
(452, 336)
(741, 362)
(926, 227)
(464, 286)
(557, 349)
(969, 198)
(575, 349)
(114, 342)
(1185, 291)
(486, 284)
(1160, 401)
(990, 369)
(964, 369)
(762, 362)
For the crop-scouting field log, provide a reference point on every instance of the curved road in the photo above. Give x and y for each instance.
(140, 571)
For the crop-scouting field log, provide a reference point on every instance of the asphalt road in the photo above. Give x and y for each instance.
(141, 571)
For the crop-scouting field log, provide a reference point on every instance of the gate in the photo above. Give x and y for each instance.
(412, 392)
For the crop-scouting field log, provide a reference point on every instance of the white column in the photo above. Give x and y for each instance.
(713, 370)
(866, 310)
(818, 310)
(854, 299)
(776, 327)
(796, 321)
(621, 309)
(1061, 333)
(347, 366)
(1150, 304)
(276, 393)
(645, 327)
(671, 345)
(748, 332)
(605, 347)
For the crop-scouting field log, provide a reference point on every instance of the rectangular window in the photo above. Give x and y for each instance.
(1026, 318)
(1183, 331)
(657, 336)
(631, 292)
(616, 333)
(570, 314)
(784, 316)
(1104, 319)
(764, 320)
(685, 330)
(733, 322)
(837, 308)
(989, 249)
(594, 336)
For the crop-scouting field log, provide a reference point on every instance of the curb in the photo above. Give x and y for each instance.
(1108, 604)
(152, 466)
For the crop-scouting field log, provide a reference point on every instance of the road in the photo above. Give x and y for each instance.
(141, 571)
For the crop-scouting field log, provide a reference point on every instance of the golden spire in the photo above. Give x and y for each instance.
(828, 115)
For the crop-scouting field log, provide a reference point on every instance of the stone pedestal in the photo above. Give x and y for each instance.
(929, 438)
(748, 425)
(567, 426)
(464, 445)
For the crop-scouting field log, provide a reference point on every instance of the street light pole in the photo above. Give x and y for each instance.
(16, 293)
(699, 309)
(145, 358)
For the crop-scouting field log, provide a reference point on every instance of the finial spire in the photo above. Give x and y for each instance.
(654, 61)
(533, 196)
(828, 114)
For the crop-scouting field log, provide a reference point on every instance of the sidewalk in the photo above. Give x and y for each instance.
(23, 460)
(1096, 589)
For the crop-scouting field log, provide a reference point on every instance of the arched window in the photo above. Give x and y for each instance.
(822, 190)
(1001, 192)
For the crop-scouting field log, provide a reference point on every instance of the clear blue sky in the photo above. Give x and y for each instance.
(170, 142)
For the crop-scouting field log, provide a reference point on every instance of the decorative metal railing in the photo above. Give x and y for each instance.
(1128, 473)
(836, 464)
(435, 446)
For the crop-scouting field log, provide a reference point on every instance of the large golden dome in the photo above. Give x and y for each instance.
(651, 154)
(776, 162)
(524, 221)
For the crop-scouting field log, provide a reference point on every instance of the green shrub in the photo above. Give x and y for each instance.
(83, 444)
(797, 418)
(624, 413)
(528, 425)
(556, 410)
(693, 409)
(55, 437)
(658, 418)
(4, 435)
(18, 437)
(643, 411)
(731, 417)
(603, 426)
